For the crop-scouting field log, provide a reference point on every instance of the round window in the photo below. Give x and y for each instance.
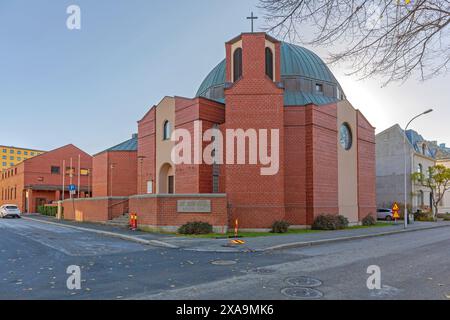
(345, 136)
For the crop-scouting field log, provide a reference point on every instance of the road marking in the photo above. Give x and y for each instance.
(237, 241)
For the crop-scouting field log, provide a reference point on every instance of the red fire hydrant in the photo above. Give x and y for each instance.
(133, 221)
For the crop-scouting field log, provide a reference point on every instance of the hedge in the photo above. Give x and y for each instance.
(48, 211)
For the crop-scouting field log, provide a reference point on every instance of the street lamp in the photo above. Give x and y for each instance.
(141, 160)
(405, 151)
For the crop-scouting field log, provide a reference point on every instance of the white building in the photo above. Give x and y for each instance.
(420, 155)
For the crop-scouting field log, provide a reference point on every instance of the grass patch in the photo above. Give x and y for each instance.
(250, 234)
(270, 234)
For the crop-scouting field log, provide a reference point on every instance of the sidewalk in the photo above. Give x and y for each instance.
(258, 244)
(154, 239)
(271, 243)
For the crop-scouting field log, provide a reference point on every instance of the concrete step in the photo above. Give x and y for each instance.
(123, 221)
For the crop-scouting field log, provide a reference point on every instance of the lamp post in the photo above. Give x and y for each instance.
(141, 164)
(405, 158)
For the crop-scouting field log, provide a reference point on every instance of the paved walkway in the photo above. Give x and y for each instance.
(268, 243)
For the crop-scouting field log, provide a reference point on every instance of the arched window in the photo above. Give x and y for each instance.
(420, 171)
(237, 67)
(167, 130)
(269, 63)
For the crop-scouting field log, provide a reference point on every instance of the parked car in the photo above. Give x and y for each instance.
(385, 214)
(10, 211)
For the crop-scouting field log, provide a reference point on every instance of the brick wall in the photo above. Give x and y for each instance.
(12, 186)
(160, 211)
(192, 178)
(322, 161)
(119, 181)
(311, 164)
(100, 175)
(95, 209)
(366, 167)
(295, 165)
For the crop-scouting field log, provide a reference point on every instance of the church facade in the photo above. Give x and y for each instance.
(325, 147)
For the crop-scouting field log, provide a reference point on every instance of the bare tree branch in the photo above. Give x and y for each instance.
(394, 39)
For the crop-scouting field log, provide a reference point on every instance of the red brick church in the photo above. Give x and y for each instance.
(326, 146)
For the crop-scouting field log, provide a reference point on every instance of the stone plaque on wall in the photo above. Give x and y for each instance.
(186, 206)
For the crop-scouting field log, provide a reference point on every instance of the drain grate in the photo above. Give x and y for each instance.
(261, 271)
(223, 262)
(302, 293)
(307, 282)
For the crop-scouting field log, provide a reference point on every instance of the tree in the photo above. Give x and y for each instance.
(389, 38)
(437, 181)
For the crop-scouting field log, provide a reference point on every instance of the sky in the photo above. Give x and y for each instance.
(89, 87)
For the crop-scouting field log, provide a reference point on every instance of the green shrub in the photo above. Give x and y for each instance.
(423, 216)
(280, 227)
(196, 228)
(369, 220)
(445, 216)
(342, 222)
(48, 211)
(330, 222)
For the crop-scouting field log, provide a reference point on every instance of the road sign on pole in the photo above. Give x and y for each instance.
(395, 211)
(72, 189)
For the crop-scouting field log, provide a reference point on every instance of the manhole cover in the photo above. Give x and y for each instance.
(223, 262)
(303, 282)
(261, 271)
(302, 293)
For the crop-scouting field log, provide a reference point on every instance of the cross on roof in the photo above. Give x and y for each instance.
(252, 18)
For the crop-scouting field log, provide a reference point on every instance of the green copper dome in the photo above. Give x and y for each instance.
(305, 76)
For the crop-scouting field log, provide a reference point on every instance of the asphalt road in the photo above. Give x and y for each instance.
(34, 258)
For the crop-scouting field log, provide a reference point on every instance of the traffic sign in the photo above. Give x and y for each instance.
(72, 187)
(395, 211)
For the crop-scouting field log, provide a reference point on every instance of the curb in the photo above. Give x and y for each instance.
(161, 244)
(334, 240)
(155, 243)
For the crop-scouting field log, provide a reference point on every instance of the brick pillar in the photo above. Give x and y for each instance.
(255, 102)
(30, 201)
